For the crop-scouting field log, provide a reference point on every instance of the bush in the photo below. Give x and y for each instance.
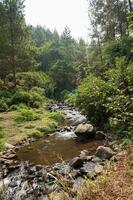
(120, 106)
(27, 115)
(1, 145)
(1, 132)
(35, 100)
(3, 106)
(38, 90)
(28, 80)
(91, 98)
(57, 116)
(21, 97)
(35, 133)
(30, 98)
(70, 98)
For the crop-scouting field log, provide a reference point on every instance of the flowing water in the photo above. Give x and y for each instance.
(52, 149)
(62, 145)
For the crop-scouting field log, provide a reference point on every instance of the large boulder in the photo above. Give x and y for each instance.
(104, 152)
(85, 130)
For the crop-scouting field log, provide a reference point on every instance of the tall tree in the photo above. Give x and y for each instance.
(17, 45)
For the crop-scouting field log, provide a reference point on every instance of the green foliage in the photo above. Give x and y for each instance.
(1, 132)
(70, 98)
(120, 105)
(30, 98)
(91, 98)
(64, 76)
(50, 127)
(57, 116)
(17, 51)
(35, 133)
(1, 145)
(21, 97)
(111, 101)
(27, 115)
(3, 106)
(117, 49)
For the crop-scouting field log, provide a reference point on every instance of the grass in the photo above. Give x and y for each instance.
(19, 124)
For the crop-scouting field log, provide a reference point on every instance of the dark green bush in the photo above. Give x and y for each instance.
(27, 115)
(35, 100)
(3, 106)
(35, 133)
(21, 96)
(1, 132)
(91, 99)
(57, 116)
(30, 98)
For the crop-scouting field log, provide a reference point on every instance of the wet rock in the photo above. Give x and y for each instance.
(76, 162)
(100, 135)
(104, 152)
(85, 130)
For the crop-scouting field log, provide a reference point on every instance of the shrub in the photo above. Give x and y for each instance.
(35, 133)
(44, 129)
(30, 98)
(91, 98)
(1, 132)
(3, 106)
(27, 115)
(1, 145)
(35, 100)
(21, 97)
(52, 126)
(57, 116)
(38, 90)
(70, 98)
(120, 106)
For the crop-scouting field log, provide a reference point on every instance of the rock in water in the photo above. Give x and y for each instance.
(104, 152)
(85, 130)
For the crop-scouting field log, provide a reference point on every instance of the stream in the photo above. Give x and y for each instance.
(29, 167)
(63, 144)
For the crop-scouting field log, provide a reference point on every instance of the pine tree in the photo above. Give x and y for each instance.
(17, 46)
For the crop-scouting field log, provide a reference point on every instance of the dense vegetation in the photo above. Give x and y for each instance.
(37, 64)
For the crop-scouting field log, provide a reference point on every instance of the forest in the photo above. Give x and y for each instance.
(40, 67)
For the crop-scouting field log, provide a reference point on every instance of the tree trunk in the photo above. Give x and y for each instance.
(130, 5)
(13, 64)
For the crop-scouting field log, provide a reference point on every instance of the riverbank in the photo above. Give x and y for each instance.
(24, 122)
(27, 177)
(116, 181)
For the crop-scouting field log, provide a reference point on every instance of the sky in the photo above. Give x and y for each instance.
(56, 14)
